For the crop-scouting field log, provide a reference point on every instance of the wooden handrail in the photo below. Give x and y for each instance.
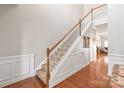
(92, 15)
(51, 49)
(99, 6)
(92, 11)
(85, 15)
(64, 36)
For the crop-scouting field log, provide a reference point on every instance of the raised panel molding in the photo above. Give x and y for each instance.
(5, 73)
(22, 67)
(16, 68)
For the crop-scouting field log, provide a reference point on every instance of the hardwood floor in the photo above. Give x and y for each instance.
(33, 82)
(92, 76)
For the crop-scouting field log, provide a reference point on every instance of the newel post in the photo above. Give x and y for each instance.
(80, 26)
(48, 67)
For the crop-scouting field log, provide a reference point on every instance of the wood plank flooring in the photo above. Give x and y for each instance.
(92, 76)
(33, 82)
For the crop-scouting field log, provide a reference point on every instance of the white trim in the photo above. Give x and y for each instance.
(119, 55)
(16, 56)
(16, 68)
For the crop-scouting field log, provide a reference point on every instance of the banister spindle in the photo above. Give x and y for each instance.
(80, 26)
(48, 67)
(58, 54)
(56, 57)
(51, 62)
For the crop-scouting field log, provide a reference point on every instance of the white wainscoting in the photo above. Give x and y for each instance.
(16, 68)
(114, 59)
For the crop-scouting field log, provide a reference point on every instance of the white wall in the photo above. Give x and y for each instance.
(116, 35)
(116, 29)
(26, 29)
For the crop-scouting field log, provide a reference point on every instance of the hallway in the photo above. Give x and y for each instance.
(92, 76)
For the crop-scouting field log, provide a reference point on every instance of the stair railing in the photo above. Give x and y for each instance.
(56, 53)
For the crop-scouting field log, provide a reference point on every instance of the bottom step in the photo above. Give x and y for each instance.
(42, 75)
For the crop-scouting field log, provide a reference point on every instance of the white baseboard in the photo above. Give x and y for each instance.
(16, 68)
(67, 74)
(114, 59)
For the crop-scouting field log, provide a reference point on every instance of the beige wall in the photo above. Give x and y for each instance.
(28, 29)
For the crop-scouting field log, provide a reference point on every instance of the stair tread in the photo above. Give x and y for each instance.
(44, 67)
(42, 75)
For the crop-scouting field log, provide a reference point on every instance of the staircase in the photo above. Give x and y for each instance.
(57, 55)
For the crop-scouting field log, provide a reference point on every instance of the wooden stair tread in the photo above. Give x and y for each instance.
(44, 67)
(42, 75)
